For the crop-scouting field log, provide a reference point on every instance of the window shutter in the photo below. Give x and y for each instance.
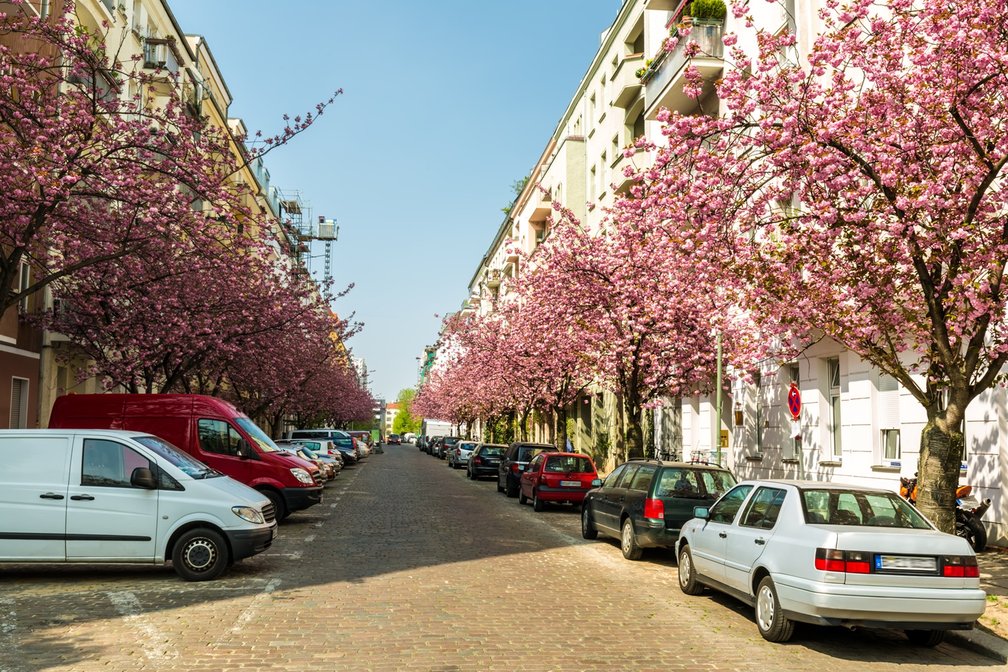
(18, 397)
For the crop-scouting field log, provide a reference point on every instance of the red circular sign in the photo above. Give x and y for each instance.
(794, 401)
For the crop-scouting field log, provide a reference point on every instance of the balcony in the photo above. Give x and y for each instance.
(663, 85)
(626, 83)
(662, 5)
(493, 278)
(542, 206)
(160, 54)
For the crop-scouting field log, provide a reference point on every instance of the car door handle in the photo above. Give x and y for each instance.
(760, 541)
(723, 535)
(78, 498)
(50, 495)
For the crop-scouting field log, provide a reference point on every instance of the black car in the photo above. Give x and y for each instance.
(445, 444)
(484, 460)
(514, 462)
(644, 503)
(394, 440)
(432, 445)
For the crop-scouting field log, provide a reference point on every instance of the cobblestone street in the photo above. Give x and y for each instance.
(408, 565)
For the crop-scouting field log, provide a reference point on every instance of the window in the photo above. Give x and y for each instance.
(716, 483)
(616, 152)
(677, 483)
(19, 403)
(24, 280)
(591, 108)
(625, 477)
(110, 464)
(591, 184)
(725, 509)
(758, 434)
(604, 163)
(642, 479)
(890, 444)
(835, 426)
(763, 509)
(217, 436)
(569, 465)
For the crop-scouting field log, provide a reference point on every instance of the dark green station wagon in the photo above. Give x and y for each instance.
(644, 503)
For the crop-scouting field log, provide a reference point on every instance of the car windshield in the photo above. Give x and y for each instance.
(310, 454)
(450, 440)
(568, 464)
(492, 452)
(828, 506)
(679, 482)
(264, 442)
(188, 465)
(467, 445)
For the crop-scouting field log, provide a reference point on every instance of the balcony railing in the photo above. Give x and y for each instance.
(663, 84)
(159, 53)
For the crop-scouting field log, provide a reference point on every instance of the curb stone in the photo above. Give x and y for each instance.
(980, 642)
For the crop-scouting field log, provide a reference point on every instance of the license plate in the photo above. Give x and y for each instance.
(906, 562)
(570, 484)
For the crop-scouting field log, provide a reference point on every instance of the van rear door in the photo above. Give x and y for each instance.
(107, 518)
(33, 497)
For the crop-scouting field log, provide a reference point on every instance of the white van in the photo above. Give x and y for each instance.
(82, 495)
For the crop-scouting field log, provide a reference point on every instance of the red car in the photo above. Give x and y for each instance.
(557, 478)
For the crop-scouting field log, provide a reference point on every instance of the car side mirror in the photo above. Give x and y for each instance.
(701, 512)
(245, 450)
(142, 477)
(596, 483)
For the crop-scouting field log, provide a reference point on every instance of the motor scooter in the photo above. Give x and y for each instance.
(968, 512)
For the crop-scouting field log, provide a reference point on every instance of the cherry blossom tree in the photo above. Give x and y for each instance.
(870, 174)
(88, 175)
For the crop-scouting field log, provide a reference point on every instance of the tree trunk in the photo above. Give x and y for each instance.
(648, 431)
(938, 474)
(634, 432)
(560, 416)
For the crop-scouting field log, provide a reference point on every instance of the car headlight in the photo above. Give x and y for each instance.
(303, 476)
(249, 514)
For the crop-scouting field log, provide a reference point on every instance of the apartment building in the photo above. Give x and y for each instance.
(856, 424)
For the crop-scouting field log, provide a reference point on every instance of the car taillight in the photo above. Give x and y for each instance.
(654, 508)
(515, 468)
(458, 452)
(960, 566)
(851, 562)
(477, 460)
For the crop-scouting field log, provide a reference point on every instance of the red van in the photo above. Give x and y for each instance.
(210, 429)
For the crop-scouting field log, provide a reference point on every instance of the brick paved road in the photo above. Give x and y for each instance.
(408, 565)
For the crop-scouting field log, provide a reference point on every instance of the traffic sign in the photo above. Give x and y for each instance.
(794, 401)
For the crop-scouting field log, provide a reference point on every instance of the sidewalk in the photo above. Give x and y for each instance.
(991, 638)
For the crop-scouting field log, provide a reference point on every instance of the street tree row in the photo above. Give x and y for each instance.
(854, 192)
(167, 273)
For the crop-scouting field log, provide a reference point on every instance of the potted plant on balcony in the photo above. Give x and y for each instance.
(708, 11)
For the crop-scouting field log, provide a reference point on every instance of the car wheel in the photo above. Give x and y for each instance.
(687, 573)
(926, 637)
(770, 618)
(537, 504)
(511, 489)
(279, 508)
(588, 530)
(522, 499)
(973, 531)
(628, 542)
(200, 555)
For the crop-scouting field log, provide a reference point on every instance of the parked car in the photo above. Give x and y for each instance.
(421, 443)
(434, 449)
(459, 455)
(644, 503)
(87, 495)
(484, 460)
(834, 555)
(394, 440)
(329, 465)
(557, 478)
(514, 462)
(211, 430)
(447, 444)
(362, 435)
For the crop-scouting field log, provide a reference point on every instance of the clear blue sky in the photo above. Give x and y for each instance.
(446, 103)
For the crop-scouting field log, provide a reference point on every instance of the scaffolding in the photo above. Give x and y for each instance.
(301, 229)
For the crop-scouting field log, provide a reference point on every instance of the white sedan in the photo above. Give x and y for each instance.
(831, 555)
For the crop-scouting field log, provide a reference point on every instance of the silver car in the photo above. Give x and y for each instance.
(458, 455)
(831, 555)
